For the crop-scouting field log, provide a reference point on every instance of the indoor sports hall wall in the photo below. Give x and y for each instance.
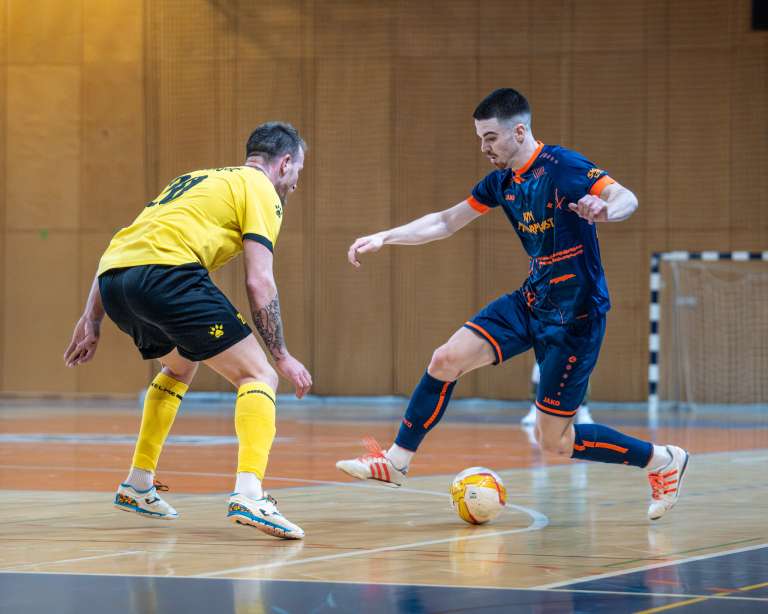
(72, 171)
(106, 101)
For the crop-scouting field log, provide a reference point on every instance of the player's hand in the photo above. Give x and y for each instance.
(296, 373)
(364, 245)
(591, 208)
(85, 338)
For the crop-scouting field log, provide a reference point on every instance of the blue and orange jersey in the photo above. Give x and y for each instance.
(566, 280)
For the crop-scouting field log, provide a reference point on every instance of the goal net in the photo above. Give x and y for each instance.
(709, 331)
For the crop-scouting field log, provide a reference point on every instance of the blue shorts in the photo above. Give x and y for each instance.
(566, 353)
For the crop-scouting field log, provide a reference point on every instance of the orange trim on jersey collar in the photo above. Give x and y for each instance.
(531, 160)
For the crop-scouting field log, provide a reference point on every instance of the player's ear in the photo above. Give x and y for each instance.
(284, 163)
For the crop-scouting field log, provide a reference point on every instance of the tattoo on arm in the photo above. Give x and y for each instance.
(270, 326)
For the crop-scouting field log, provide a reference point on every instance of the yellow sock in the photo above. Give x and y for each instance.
(255, 426)
(160, 406)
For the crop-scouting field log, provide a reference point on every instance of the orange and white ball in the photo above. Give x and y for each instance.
(478, 495)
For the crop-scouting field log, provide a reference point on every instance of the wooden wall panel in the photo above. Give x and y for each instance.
(699, 133)
(3, 131)
(352, 306)
(601, 131)
(604, 26)
(353, 343)
(109, 102)
(515, 41)
(43, 142)
(749, 143)
(700, 24)
(356, 30)
(428, 180)
(44, 31)
(271, 29)
(113, 31)
(42, 303)
(621, 369)
(436, 29)
(118, 366)
(113, 188)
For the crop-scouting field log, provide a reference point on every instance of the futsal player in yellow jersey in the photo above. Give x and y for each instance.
(153, 282)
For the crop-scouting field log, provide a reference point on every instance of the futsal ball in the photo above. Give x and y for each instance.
(478, 495)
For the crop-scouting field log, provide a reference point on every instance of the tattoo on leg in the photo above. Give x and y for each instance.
(270, 326)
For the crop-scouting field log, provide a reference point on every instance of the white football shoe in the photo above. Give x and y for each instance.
(373, 466)
(666, 482)
(529, 419)
(263, 515)
(146, 503)
(583, 416)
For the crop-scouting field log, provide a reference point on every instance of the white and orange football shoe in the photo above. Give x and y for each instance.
(373, 466)
(666, 482)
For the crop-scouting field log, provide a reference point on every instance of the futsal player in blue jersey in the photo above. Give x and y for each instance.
(553, 197)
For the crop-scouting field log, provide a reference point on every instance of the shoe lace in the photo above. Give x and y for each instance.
(373, 447)
(661, 483)
(159, 486)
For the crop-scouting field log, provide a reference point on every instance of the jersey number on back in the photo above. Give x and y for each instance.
(176, 188)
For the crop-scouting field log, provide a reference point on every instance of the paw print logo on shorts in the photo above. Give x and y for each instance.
(217, 330)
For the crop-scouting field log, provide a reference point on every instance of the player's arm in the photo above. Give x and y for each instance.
(431, 227)
(85, 337)
(614, 204)
(265, 311)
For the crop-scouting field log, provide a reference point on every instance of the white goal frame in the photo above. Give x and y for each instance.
(654, 313)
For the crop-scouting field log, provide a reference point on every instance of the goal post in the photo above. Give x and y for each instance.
(708, 337)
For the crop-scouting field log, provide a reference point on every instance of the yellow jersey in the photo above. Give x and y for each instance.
(201, 217)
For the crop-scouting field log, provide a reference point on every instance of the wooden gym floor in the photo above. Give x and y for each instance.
(574, 539)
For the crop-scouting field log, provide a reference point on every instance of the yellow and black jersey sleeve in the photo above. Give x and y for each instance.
(261, 212)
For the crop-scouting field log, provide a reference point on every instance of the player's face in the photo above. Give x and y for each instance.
(500, 141)
(288, 179)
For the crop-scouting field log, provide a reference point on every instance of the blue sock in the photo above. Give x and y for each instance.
(596, 442)
(427, 406)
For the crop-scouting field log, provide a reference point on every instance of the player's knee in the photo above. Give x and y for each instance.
(553, 443)
(258, 373)
(444, 364)
(182, 372)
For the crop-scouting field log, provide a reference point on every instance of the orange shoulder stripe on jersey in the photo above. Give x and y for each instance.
(600, 184)
(488, 336)
(438, 406)
(477, 205)
(560, 412)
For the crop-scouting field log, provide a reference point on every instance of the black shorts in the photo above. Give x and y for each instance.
(166, 307)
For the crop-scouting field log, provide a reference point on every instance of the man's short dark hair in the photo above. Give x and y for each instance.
(274, 139)
(503, 104)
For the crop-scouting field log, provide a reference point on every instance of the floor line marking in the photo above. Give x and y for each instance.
(419, 584)
(681, 604)
(14, 568)
(669, 554)
(624, 572)
(539, 521)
